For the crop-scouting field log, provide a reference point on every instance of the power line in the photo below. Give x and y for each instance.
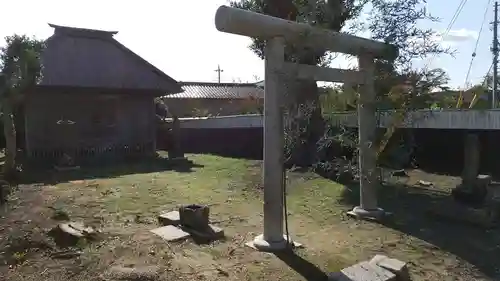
(457, 13)
(477, 43)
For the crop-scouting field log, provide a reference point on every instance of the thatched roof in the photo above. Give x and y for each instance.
(77, 57)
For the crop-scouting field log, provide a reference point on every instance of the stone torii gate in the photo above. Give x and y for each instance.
(278, 32)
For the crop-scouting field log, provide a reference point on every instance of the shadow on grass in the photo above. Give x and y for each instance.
(410, 204)
(306, 269)
(158, 164)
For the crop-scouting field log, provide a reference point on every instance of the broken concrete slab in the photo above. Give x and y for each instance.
(170, 218)
(170, 233)
(395, 266)
(363, 271)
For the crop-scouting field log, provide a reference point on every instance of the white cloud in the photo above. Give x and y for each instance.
(460, 35)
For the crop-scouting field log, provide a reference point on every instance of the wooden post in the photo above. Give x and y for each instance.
(367, 112)
(272, 239)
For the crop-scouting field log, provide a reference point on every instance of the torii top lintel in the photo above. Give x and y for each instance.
(251, 24)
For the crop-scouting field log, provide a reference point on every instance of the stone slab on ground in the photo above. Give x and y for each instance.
(211, 233)
(170, 233)
(454, 211)
(295, 244)
(170, 218)
(395, 266)
(363, 271)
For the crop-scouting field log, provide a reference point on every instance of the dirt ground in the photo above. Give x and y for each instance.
(123, 202)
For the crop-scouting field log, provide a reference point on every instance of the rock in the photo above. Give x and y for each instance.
(68, 234)
(399, 268)
(363, 271)
(139, 273)
(170, 218)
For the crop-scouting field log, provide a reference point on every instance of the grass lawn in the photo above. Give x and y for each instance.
(123, 203)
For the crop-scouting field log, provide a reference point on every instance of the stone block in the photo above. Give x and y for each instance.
(399, 268)
(170, 233)
(170, 218)
(209, 233)
(194, 216)
(363, 271)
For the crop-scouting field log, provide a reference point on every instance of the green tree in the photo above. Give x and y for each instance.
(392, 21)
(20, 67)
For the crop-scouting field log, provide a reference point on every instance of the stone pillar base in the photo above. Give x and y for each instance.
(373, 214)
(272, 246)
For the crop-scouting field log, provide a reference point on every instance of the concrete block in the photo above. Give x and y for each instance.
(395, 266)
(363, 271)
(170, 218)
(170, 233)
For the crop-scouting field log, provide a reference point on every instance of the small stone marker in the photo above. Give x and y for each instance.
(170, 233)
(170, 218)
(363, 271)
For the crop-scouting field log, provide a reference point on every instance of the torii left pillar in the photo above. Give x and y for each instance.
(272, 238)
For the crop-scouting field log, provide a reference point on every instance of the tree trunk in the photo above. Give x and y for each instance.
(304, 123)
(9, 167)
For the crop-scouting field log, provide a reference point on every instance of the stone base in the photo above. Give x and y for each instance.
(374, 215)
(266, 246)
(211, 232)
(453, 211)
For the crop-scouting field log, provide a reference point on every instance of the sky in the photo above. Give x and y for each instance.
(180, 38)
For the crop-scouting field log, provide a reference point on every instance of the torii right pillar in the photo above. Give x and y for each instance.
(367, 126)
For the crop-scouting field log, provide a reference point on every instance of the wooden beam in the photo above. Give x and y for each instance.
(247, 23)
(316, 73)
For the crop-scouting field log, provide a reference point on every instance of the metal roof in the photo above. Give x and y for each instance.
(204, 90)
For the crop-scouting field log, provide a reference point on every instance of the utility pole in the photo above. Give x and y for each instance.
(218, 70)
(494, 49)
